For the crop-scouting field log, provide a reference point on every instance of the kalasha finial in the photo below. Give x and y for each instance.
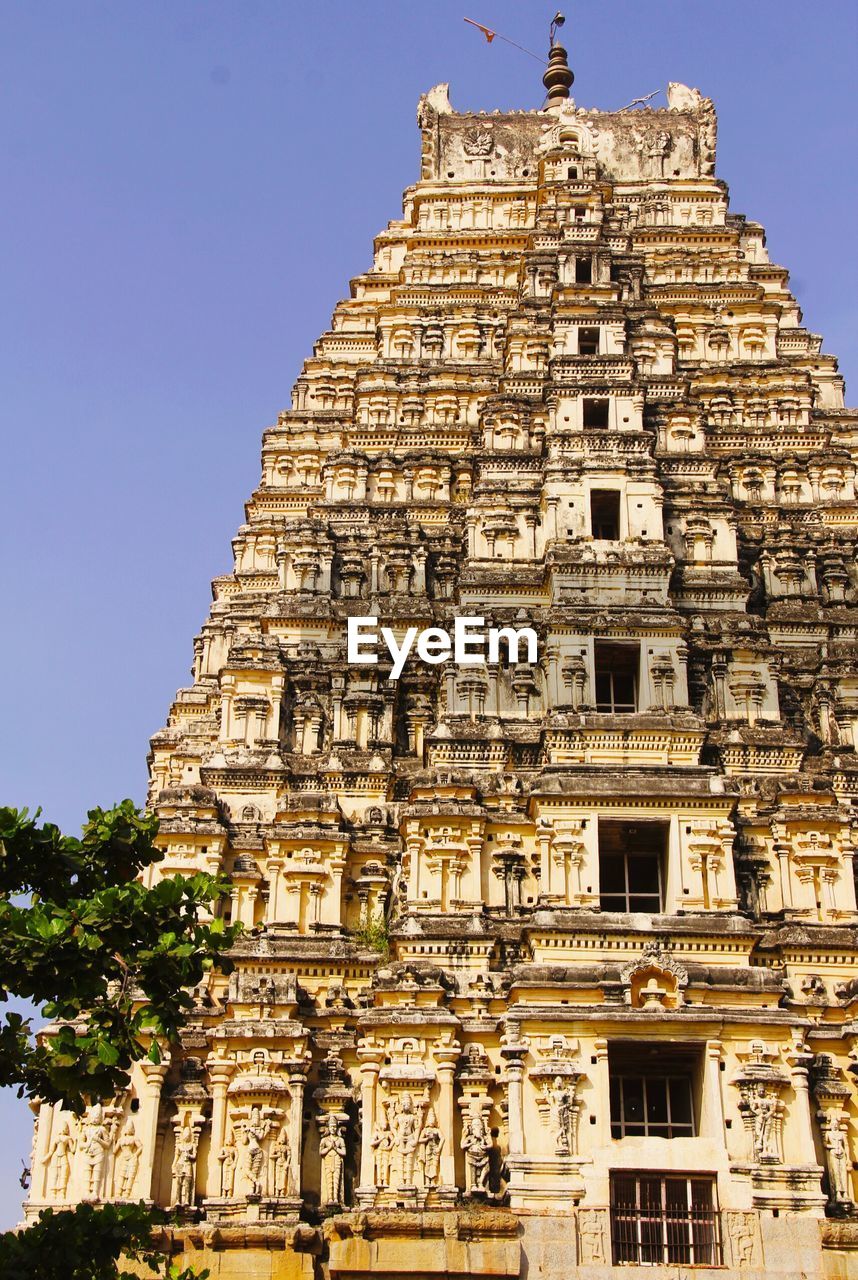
(558, 78)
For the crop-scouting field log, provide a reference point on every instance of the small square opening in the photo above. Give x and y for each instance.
(605, 514)
(595, 414)
(583, 271)
(588, 342)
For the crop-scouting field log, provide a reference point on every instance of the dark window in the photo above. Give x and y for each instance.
(595, 414)
(616, 677)
(605, 514)
(631, 866)
(652, 1090)
(660, 1219)
(583, 271)
(580, 212)
(588, 342)
(572, 171)
(615, 272)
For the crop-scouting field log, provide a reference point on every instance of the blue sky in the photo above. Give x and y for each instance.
(188, 188)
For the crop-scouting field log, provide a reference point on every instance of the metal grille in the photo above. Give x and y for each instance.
(659, 1220)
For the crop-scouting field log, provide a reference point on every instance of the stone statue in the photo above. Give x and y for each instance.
(764, 1109)
(128, 1151)
(59, 1159)
(184, 1166)
(741, 1229)
(591, 1233)
(255, 1133)
(281, 1163)
(95, 1146)
(431, 1142)
(476, 1144)
(837, 1152)
(382, 1145)
(406, 1131)
(332, 1152)
(563, 1117)
(228, 1159)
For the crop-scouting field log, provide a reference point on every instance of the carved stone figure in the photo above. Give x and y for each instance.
(95, 1144)
(406, 1131)
(255, 1132)
(837, 1156)
(129, 1148)
(591, 1234)
(59, 1159)
(281, 1163)
(184, 1166)
(764, 1110)
(477, 1145)
(741, 1228)
(332, 1153)
(431, 1142)
(382, 1145)
(563, 1115)
(228, 1159)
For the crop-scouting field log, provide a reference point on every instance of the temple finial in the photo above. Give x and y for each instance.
(558, 78)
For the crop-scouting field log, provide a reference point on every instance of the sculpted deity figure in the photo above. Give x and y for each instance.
(332, 1151)
(431, 1142)
(281, 1163)
(382, 1145)
(476, 1144)
(764, 1107)
(563, 1117)
(59, 1159)
(837, 1152)
(128, 1151)
(740, 1227)
(184, 1165)
(228, 1159)
(406, 1131)
(95, 1146)
(591, 1232)
(255, 1133)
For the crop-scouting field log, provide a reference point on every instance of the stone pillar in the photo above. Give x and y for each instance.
(370, 1057)
(514, 1055)
(297, 1081)
(602, 1082)
(154, 1074)
(39, 1173)
(712, 1125)
(446, 1058)
(220, 1070)
(799, 1059)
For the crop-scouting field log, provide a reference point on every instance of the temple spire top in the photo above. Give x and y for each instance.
(558, 78)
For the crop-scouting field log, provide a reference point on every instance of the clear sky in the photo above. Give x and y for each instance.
(187, 189)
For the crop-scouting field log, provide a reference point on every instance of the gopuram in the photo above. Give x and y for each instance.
(550, 957)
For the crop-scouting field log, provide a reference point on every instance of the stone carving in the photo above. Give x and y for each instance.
(332, 1153)
(254, 1131)
(96, 1142)
(281, 1164)
(655, 981)
(742, 1230)
(764, 1109)
(184, 1168)
(406, 1131)
(129, 1148)
(477, 1145)
(59, 1159)
(591, 1235)
(228, 1160)
(478, 143)
(431, 1142)
(681, 98)
(837, 1157)
(382, 1145)
(760, 1083)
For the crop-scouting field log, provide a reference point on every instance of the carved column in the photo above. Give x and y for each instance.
(220, 1072)
(370, 1057)
(155, 1074)
(446, 1058)
(514, 1055)
(297, 1081)
(713, 1102)
(601, 1079)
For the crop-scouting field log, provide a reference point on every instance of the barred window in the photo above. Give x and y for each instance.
(662, 1219)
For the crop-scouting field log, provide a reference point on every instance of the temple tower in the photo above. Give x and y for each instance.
(549, 958)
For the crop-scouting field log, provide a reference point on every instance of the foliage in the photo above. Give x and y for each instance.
(86, 1243)
(109, 959)
(375, 934)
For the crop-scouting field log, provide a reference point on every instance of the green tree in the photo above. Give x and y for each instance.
(110, 962)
